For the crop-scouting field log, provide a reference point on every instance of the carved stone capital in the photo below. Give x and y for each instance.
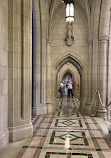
(49, 42)
(90, 41)
(103, 39)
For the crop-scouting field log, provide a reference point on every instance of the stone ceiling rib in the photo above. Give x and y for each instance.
(55, 7)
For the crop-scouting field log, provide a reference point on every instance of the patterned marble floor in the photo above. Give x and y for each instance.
(66, 134)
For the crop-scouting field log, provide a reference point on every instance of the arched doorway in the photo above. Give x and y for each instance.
(67, 76)
(71, 67)
(69, 71)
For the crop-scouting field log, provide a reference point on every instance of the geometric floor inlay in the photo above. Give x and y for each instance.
(68, 123)
(66, 134)
(67, 114)
(70, 137)
(67, 155)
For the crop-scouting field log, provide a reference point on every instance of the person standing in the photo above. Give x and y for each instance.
(61, 88)
(70, 87)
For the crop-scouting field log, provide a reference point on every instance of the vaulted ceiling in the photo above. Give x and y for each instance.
(84, 4)
(84, 7)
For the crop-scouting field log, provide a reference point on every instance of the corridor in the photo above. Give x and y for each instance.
(66, 134)
(44, 43)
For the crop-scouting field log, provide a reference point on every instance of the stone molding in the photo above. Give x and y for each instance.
(39, 110)
(50, 109)
(20, 132)
(90, 42)
(103, 39)
(49, 42)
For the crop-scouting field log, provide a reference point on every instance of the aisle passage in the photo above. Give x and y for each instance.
(66, 134)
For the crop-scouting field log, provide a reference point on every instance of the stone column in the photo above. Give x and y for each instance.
(43, 52)
(109, 76)
(49, 93)
(40, 12)
(20, 69)
(83, 88)
(37, 110)
(89, 76)
(4, 134)
(109, 81)
(82, 92)
(103, 51)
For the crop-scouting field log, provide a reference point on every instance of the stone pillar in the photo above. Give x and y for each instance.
(4, 134)
(20, 69)
(37, 110)
(103, 51)
(109, 77)
(43, 52)
(49, 93)
(40, 30)
(95, 67)
(109, 81)
(89, 76)
(82, 92)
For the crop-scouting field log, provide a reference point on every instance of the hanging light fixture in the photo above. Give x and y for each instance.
(69, 38)
(69, 10)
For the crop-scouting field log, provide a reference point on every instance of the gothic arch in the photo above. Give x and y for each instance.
(74, 61)
(66, 71)
(72, 75)
(71, 59)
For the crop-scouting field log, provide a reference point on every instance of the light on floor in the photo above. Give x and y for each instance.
(67, 142)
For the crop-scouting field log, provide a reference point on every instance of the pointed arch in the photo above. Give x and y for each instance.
(66, 72)
(69, 58)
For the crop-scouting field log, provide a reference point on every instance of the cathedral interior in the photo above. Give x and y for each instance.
(44, 43)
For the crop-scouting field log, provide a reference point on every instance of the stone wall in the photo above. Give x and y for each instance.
(79, 49)
(3, 73)
(20, 69)
(90, 53)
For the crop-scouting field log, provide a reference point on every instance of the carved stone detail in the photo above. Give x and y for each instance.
(69, 34)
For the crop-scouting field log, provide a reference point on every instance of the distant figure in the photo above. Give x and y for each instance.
(61, 88)
(70, 87)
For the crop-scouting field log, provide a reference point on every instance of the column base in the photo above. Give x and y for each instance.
(102, 113)
(4, 139)
(87, 109)
(83, 105)
(20, 132)
(50, 108)
(40, 110)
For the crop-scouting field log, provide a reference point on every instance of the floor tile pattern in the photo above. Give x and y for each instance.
(66, 134)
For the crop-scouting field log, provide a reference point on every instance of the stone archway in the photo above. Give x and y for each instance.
(71, 59)
(75, 63)
(68, 75)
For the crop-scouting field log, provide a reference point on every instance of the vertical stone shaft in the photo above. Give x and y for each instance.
(89, 76)
(109, 76)
(3, 73)
(20, 69)
(103, 51)
(49, 79)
